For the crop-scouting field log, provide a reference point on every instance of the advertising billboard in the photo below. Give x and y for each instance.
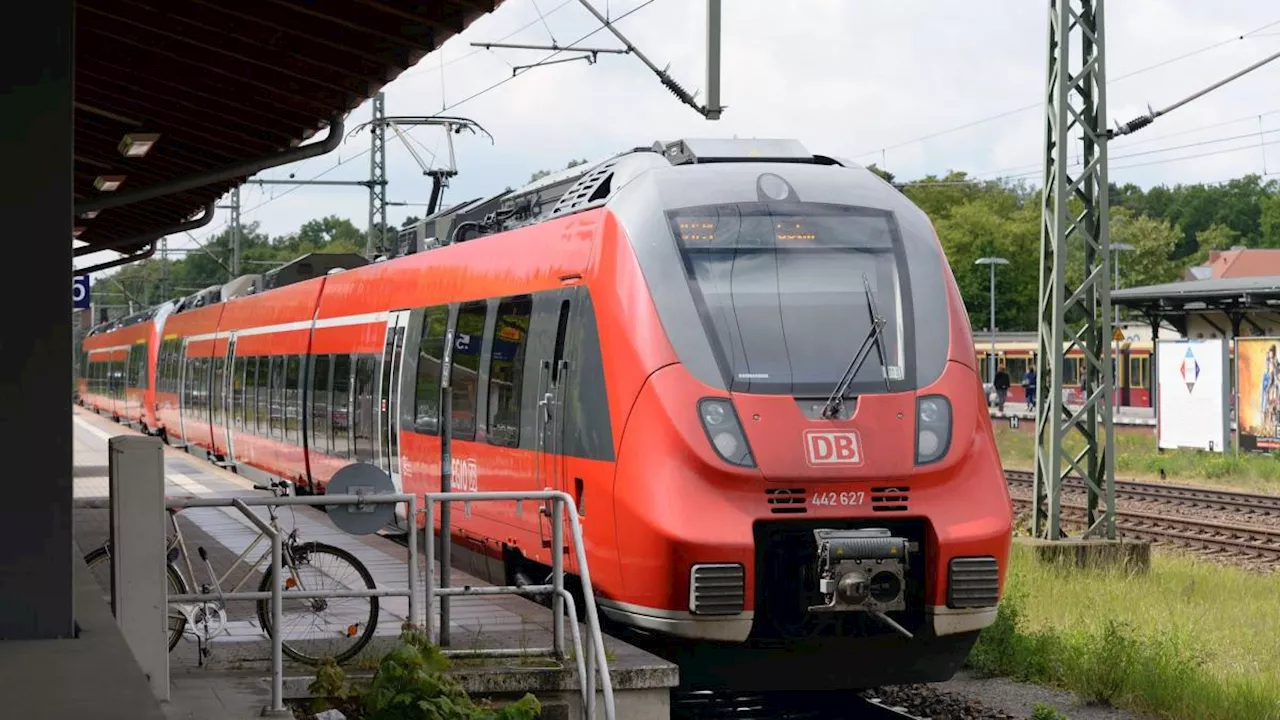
(1258, 393)
(1194, 387)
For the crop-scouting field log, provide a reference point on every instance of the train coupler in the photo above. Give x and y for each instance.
(863, 571)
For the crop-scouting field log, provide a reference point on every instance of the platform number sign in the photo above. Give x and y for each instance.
(80, 292)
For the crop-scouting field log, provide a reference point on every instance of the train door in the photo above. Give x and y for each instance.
(550, 417)
(388, 403)
(184, 391)
(227, 380)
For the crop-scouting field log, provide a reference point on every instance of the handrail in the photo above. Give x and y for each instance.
(243, 504)
(596, 660)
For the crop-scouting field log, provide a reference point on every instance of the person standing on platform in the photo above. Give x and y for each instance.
(1029, 386)
(1002, 387)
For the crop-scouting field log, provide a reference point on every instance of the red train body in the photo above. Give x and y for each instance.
(658, 336)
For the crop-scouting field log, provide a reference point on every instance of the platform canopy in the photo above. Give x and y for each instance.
(177, 102)
(1178, 301)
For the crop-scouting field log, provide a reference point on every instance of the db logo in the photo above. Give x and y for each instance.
(828, 447)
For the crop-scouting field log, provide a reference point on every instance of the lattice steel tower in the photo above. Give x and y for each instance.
(377, 177)
(1075, 306)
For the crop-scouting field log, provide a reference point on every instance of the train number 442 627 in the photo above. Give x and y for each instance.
(839, 498)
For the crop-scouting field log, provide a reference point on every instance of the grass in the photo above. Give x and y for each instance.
(1188, 641)
(1137, 457)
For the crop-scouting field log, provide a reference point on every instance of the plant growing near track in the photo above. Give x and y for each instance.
(411, 683)
(1044, 712)
(1187, 641)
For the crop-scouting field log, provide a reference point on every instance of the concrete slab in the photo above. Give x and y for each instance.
(91, 676)
(232, 681)
(1130, 555)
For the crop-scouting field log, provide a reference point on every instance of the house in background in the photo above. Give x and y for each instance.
(1238, 262)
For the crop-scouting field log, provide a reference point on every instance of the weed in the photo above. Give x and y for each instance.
(412, 683)
(1189, 640)
(1044, 712)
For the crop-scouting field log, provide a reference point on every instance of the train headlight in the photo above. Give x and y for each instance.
(720, 422)
(933, 428)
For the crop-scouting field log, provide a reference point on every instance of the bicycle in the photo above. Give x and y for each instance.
(207, 619)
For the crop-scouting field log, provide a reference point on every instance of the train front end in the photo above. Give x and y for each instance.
(811, 497)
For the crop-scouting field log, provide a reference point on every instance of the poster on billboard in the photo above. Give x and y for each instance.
(1258, 393)
(1193, 393)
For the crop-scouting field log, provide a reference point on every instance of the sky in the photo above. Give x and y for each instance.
(870, 80)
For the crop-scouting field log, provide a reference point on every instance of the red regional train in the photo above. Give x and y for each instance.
(749, 364)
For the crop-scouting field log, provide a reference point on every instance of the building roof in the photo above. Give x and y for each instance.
(225, 84)
(1202, 296)
(1238, 262)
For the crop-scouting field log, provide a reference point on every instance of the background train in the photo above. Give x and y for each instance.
(659, 335)
(1017, 350)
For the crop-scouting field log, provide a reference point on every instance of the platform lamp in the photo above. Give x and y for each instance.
(991, 360)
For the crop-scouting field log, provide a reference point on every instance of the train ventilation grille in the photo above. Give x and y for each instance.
(889, 499)
(786, 501)
(592, 187)
(974, 582)
(717, 589)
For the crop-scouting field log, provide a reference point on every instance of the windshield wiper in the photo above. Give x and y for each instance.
(873, 337)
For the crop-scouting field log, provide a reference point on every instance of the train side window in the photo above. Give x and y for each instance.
(250, 394)
(263, 396)
(562, 330)
(320, 403)
(292, 418)
(364, 408)
(277, 397)
(506, 370)
(237, 393)
(341, 406)
(435, 322)
(216, 390)
(465, 373)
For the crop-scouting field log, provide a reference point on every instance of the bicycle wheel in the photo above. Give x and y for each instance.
(349, 623)
(177, 586)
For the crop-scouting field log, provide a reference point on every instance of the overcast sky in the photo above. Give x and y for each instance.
(864, 79)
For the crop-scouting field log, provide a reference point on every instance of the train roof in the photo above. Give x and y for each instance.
(564, 192)
(138, 317)
(591, 185)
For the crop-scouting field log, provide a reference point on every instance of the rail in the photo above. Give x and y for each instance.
(244, 505)
(595, 660)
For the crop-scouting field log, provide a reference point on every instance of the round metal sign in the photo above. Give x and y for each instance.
(361, 479)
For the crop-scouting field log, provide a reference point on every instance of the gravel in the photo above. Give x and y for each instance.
(928, 701)
(1019, 700)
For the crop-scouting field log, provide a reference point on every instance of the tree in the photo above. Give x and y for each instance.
(543, 173)
(1150, 262)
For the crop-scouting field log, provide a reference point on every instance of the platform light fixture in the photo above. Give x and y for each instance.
(90, 214)
(136, 145)
(107, 183)
(75, 232)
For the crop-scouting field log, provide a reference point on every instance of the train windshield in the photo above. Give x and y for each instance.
(782, 292)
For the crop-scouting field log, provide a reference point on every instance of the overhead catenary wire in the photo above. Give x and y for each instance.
(442, 111)
(1140, 122)
(1040, 104)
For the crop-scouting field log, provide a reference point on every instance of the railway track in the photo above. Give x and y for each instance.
(1247, 542)
(1250, 504)
(782, 706)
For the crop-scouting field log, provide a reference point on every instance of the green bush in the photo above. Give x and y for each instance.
(412, 683)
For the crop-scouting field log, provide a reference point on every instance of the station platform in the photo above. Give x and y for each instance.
(232, 681)
(1131, 416)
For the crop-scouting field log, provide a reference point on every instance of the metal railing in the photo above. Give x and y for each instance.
(243, 504)
(588, 663)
